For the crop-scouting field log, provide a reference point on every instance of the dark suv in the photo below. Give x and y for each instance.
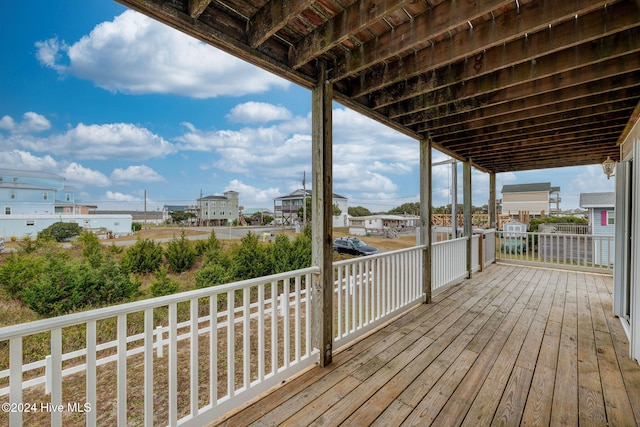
(353, 246)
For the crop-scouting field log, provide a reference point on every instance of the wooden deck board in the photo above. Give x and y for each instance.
(511, 346)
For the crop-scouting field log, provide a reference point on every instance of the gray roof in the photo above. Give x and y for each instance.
(598, 200)
(28, 173)
(526, 188)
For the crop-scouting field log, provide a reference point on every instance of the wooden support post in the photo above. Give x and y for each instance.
(492, 200)
(425, 215)
(321, 205)
(468, 227)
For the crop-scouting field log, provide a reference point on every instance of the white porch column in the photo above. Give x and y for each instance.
(425, 215)
(321, 203)
(468, 227)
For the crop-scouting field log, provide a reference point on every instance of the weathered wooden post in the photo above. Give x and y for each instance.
(321, 204)
(425, 215)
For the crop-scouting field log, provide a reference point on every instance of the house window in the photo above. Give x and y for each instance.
(15, 179)
(224, 204)
(221, 213)
(213, 204)
(13, 195)
(7, 210)
(205, 213)
(45, 196)
(607, 218)
(213, 213)
(68, 197)
(30, 223)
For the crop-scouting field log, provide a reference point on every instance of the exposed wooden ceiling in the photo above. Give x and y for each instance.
(513, 85)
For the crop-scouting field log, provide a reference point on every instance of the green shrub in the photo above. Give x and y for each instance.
(19, 270)
(251, 259)
(60, 231)
(163, 285)
(211, 275)
(300, 256)
(281, 254)
(136, 226)
(145, 256)
(180, 254)
(91, 248)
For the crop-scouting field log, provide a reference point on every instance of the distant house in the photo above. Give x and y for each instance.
(286, 208)
(601, 215)
(257, 214)
(166, 209)
(539, 199)
(382, 225)
(29, 192)
(32, 201)
(219, 210)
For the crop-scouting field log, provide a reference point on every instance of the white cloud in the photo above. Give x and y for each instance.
(80, 176)
(31, 123)
(115, 196)
(108, 141)
(140, 173)
(254, 196)
(258, 112)
(18, 159)
(137, 55)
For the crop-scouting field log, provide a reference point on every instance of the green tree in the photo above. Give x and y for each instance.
(91, 248)
(163, 285)
(358, 211)
(145, 256)
(180, 217)
(250, 259)
(60, 231)
(335, 210)
(412, 208)
(281, 252)
(211, 275)
(180, 254)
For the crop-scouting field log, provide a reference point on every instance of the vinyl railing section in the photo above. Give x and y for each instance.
(449, 262)
(569, 251)
(371, 290)
(183, 359)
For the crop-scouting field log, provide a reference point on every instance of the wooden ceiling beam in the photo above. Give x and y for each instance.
(617, 99)
(480, 152)
(272, 17)
(527, 135)
(601, 112)
(591, 155)
(408, 77)
(355, 18)
(623, 71)
(584, 29)
(196, 7)
(445, 17)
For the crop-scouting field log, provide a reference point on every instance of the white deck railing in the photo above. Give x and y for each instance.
(571, 251)
(167, 355)
(449, 262)
(371, 290)
(185, 369)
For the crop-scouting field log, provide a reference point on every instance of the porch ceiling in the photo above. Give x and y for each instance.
(513, 85)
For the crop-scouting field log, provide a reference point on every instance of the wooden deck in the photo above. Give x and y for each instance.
(512, 346)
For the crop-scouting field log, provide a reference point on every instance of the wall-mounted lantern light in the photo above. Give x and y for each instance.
(609, 167)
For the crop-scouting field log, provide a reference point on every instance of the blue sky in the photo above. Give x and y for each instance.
(119, 104)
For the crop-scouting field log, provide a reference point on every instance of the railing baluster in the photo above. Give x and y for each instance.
(260, 333)
(15, 379)
(173, 364)
(286, 324)
(148, 368)
(56, 376)
(297, 331)
(193, 348)
(90, 372)
(274, 327)
(213, 350)
(231, 342)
